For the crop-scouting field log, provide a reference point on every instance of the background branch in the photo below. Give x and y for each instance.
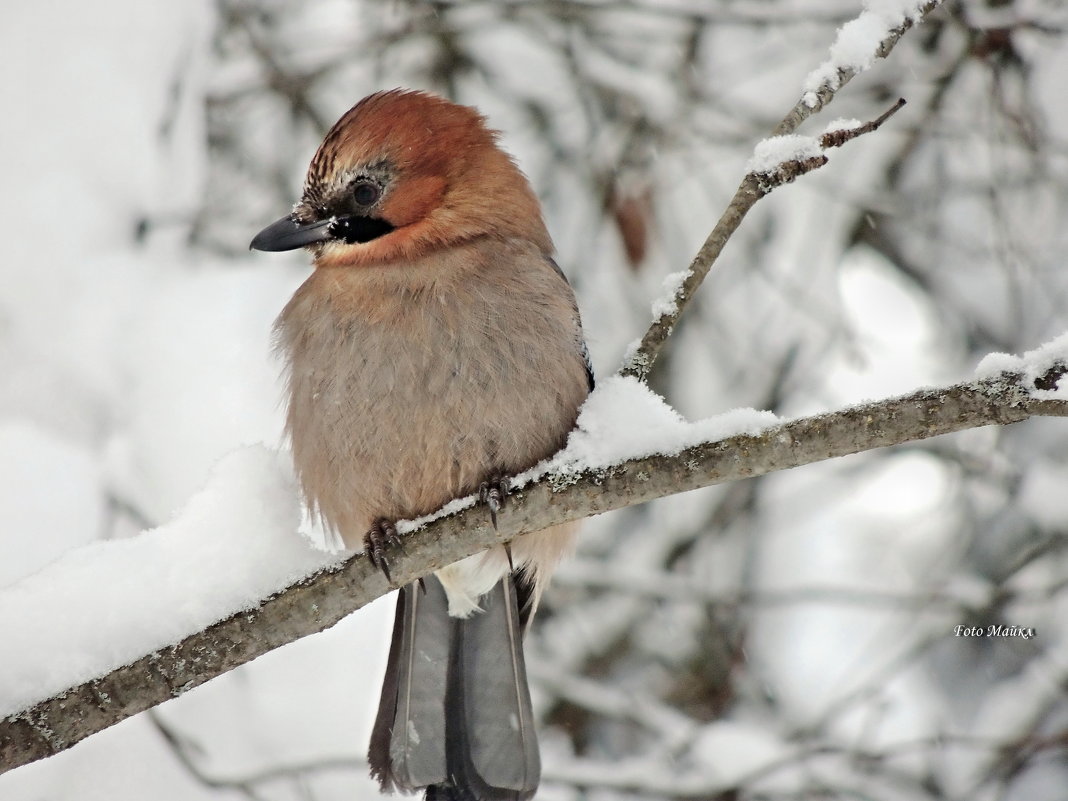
(640, 361)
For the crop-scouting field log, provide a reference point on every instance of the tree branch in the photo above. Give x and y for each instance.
(640, 360)
(320, 601)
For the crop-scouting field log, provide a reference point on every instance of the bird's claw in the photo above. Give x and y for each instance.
(493, 494)
(381, 536)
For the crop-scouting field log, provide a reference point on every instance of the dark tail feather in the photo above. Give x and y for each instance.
(455, 715)
(408, 740)
(382, 732)
(492, 748)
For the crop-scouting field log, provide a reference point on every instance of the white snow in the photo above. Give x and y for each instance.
(842, 124)
(771, 152)
(994, 364)
(667, 303)
(631, 350)
(30, 458)
(858, 41)
(624, 419)
(775, 150)
(236, 542)
(104, 605)
(452, 507)
(198, 378)
(1032, 365)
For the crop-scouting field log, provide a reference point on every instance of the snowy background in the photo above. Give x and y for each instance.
(783, 637)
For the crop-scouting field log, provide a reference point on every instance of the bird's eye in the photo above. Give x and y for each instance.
(365, 193)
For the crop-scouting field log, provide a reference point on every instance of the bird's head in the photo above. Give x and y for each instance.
(400, 175)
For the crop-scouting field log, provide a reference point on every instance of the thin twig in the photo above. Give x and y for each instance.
(640, 360)
(787, 171)
(839, 137)
(184, 750)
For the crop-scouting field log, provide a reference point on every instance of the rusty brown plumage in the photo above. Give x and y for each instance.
(436, 346)
(452, 180)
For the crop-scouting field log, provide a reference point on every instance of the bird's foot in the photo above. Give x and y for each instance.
(493, 493)
(381, 536)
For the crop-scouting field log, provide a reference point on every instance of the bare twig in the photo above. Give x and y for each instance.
(186, 752)
(667, 586)
(682, 783)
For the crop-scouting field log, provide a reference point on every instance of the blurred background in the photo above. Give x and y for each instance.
(783, 637)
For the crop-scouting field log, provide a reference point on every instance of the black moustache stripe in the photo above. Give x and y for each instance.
(359, 229)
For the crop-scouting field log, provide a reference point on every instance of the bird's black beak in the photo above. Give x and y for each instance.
(288, 234)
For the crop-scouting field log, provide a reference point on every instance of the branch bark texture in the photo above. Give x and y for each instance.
(321, 600)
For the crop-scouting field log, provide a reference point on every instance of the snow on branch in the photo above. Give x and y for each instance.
(858, 44)
(605, 467)
(784, 157)
(779, 160)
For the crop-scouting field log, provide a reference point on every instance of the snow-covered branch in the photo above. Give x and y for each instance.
(860, 42)
(584, 480)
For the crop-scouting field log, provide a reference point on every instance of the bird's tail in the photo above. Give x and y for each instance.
(455, 715)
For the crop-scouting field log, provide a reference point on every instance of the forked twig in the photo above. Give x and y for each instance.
(640, 357)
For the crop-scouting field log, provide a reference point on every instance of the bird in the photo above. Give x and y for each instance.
(435, 350)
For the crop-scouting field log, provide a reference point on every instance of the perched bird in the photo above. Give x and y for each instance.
(435, 349)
